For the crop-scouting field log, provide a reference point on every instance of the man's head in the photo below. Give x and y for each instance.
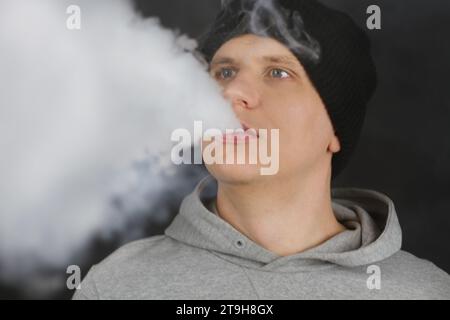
(296, 66)
(269, 89)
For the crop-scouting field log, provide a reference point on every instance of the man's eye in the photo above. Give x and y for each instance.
(279, 73)
(225, 73)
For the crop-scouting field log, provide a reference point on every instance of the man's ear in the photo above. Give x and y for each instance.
(334, 145)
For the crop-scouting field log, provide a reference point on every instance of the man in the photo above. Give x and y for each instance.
(305, 70)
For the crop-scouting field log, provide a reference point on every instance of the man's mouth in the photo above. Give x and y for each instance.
(241, 135)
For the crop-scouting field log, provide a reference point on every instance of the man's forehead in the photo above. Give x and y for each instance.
(253, 48)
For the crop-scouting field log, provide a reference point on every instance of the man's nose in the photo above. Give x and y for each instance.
(242, 93)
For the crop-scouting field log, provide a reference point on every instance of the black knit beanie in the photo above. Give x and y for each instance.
(333, 50)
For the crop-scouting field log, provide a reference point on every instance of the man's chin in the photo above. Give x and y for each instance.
(235, 174)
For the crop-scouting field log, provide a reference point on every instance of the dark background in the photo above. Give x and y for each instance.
(404, 150)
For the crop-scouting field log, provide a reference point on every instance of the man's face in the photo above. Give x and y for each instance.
(269, 89)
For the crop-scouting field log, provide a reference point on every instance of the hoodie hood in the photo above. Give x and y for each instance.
(373, 232)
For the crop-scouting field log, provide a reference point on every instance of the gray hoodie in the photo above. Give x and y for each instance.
(201, 256)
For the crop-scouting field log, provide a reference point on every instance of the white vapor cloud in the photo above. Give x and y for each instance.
(77, 107)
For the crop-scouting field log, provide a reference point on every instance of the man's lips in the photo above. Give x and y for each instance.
(241, 135)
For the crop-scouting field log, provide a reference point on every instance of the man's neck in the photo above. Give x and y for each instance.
(285, 216)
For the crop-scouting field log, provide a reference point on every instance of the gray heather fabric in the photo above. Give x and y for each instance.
(201, 256)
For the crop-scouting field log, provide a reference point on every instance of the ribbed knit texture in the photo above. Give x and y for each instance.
(345, 76)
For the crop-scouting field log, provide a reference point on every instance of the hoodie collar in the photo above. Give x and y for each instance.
(373, 232)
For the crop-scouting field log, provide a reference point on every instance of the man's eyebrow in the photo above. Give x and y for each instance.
(281, 59)
(222, 60)
(273, 59)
